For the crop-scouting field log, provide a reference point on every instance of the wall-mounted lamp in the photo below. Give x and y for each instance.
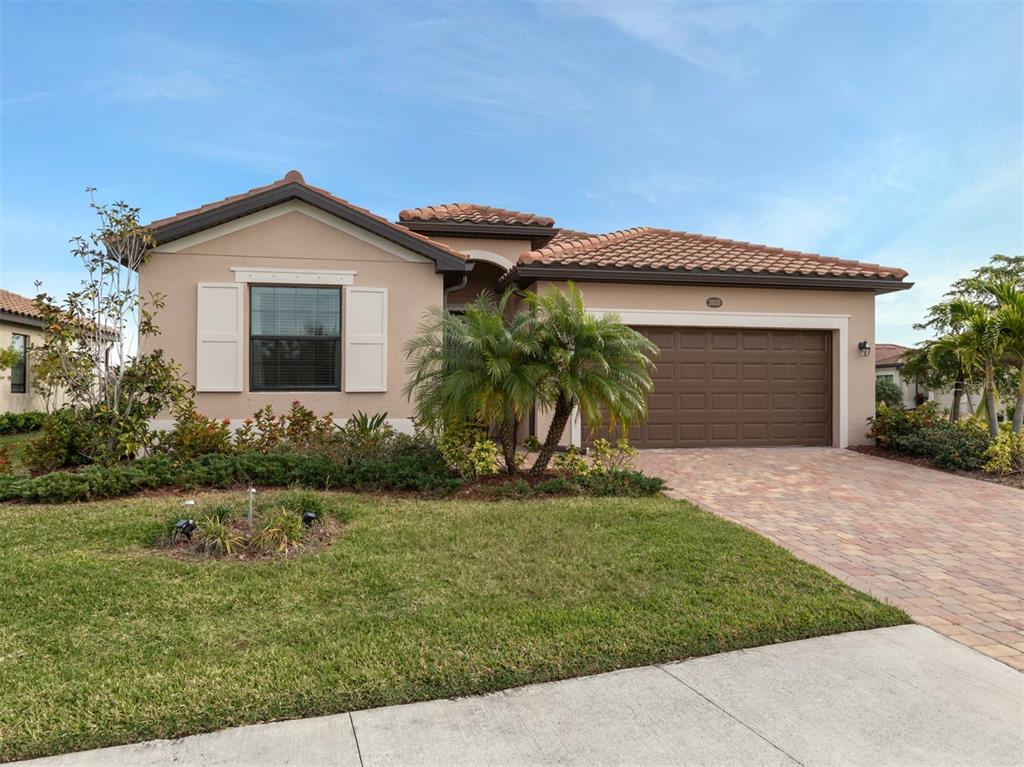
(864, 348)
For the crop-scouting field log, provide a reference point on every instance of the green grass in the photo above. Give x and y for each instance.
(18, 444)
(103, 641)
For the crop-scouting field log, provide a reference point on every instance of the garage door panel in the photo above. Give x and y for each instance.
(692, 371)
(724, 341)
(724, 371)
(720, 386)
(728, 401)
(697, 401)
(757, 401)
(754, 371)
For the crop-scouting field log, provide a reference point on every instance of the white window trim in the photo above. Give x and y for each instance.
(310, 277)
(716, 319)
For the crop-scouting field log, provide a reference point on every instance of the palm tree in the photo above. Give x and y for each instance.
(478, 368)
(1008, 329)
(595, 364)
(937, 369)
(978, 346)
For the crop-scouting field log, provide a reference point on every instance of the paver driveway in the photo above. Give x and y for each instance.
(945, 548)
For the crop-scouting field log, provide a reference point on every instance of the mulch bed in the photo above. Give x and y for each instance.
(316, 537)
(1012, 480)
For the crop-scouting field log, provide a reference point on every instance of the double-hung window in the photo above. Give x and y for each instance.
(19, 373)
(294, 338)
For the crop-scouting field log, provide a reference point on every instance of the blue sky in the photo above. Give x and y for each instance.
(884, 132)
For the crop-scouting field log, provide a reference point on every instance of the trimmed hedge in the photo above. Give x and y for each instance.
(19, 423)
(924, 432)
(420, 471)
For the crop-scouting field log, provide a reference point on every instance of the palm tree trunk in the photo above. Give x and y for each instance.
(1018, 411)
(563, 409)
(507, 436)
(958, 394)
(990, 402)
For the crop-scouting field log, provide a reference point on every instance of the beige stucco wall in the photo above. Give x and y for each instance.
(30, 400)
(292, 241)
(509, 249)
(858, 306)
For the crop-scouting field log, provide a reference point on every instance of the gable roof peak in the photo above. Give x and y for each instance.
(294, 187)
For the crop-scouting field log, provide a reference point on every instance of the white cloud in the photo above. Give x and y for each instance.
(184, 85)
(703, 35)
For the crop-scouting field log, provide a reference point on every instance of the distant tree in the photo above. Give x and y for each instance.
(888, 392)
(978, 328)
(92, 338)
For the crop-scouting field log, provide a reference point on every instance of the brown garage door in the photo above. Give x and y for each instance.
(721, 387)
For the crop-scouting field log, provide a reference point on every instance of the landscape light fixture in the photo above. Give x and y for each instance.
(185, 527)
(309, 518)
(252, 495)
(865, 348)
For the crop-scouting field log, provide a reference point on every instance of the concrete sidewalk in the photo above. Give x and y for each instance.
(899, 696)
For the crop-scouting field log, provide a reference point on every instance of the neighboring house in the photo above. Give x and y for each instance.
(889, 362)
(287, 292)
(21, 328)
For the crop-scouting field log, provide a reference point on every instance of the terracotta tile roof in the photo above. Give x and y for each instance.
(295, 177)
(567, 235)
(468, 213)
(667, 250)
(18, 304)
(889, 354)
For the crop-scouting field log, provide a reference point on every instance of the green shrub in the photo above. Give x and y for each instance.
(194, 434)
(302, 501)
(215, 536)
(888, 392)
(893, 422)
(420, 470)
(572, 464)
(222, 511)
(613, 456)
(620, 483)
(19, 423)
(6, 463)
(512, 489)
(469, 452)
(923, 432)
(64, 442)
(1006, 453)
(554, 486)
(363, 436)
(280, 532)
(300, 429)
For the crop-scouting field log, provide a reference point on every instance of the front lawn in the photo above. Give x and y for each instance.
(104, 640)
(17, 445)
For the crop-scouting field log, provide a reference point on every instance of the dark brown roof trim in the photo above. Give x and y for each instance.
(21, 319)
(175, 230)
(539, 236)
(525, 275)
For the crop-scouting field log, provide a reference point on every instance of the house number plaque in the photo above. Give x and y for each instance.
(714, 302)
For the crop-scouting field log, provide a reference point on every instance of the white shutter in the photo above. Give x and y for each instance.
(219, 331)
(366, 339)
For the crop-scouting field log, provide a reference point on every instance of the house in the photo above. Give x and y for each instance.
(888, 364)
(288, 292)
(21, 328)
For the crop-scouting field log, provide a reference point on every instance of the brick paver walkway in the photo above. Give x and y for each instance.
(947, 549)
